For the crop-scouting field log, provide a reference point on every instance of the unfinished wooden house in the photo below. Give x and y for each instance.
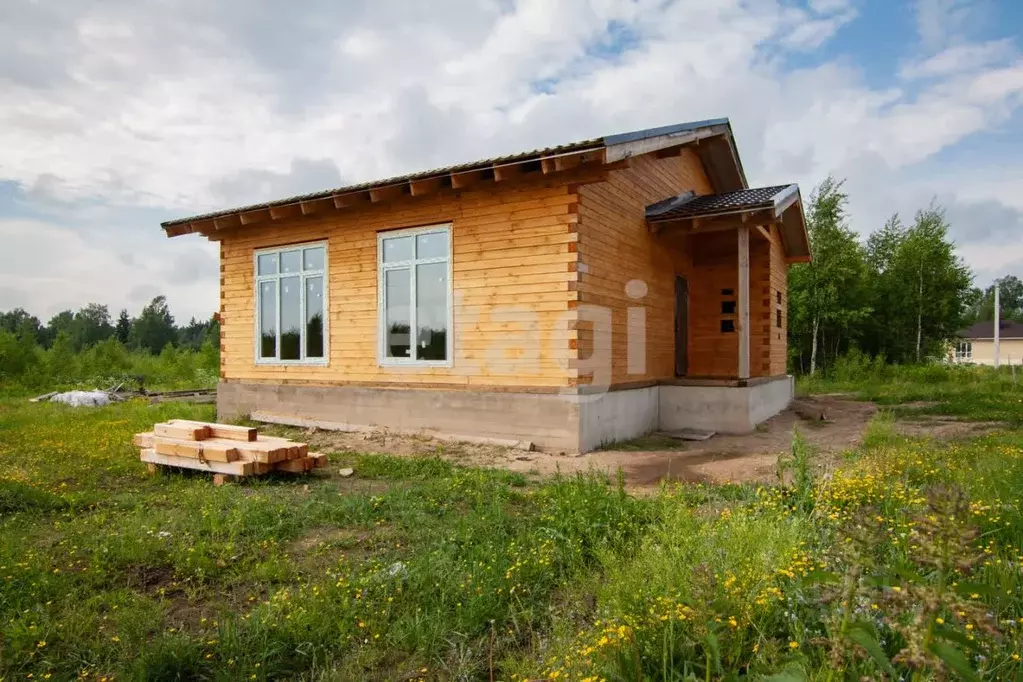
(569, 296)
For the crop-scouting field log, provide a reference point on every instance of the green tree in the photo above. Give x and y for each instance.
(91, 325)
(920, 289)
(193, 335)
(18, 354)
(122, 331)
(18, 320)
(154, 327)
(943, 280)
(61, 362)
(982, 303)
(61, 322)
(827, 300)
(107, 358)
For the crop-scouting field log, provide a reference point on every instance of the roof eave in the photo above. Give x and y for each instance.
(713, 139)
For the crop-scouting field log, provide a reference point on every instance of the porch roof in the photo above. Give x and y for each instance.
(779, 205)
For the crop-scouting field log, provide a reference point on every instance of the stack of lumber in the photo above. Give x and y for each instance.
(223, 449)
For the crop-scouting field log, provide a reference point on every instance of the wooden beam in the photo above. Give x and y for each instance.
(259, 215)
(227, 222)
(567, 162)
(465, 179)
(286, 211)
(350, 199)
(502, 173)
(762, 217)
(316, 206)
(714, 226)
(385, 193)
(547, 165)
(766, 233)
(743, 302)
(425, 186)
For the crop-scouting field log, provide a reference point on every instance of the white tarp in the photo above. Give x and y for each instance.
(82, 398)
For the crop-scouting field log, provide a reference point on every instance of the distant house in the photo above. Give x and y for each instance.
(569, 296)
(976, 344)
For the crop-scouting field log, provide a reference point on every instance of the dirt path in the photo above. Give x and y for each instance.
(750, 457)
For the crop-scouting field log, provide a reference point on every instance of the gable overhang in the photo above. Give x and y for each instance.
(712, 140)
(779, 207)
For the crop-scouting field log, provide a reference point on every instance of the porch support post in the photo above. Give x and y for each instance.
(743, 301)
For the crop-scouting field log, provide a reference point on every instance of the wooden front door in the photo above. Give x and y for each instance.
(681, 325)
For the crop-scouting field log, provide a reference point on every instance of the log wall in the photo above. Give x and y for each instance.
(514, 271)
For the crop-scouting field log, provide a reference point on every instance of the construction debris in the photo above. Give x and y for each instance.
(223, 449)
(82, 398)
(118, 393)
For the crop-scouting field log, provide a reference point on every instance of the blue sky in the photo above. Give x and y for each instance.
(115, 114)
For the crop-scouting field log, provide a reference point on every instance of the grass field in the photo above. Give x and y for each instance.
(905, 562)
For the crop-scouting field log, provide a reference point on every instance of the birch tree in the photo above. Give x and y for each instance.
(826, 297)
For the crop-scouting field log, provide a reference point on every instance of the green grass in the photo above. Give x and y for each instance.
(417, 568)
(967, 392)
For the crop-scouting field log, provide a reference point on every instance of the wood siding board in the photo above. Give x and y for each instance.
(511, 265)
(615, 245)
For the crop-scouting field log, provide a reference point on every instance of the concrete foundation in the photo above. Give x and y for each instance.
(548, 420)
(616, 416)
(563, 422)
(725, 409)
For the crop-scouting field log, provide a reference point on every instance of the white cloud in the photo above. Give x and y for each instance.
(48, 268)
(939, 22)
(959, 58)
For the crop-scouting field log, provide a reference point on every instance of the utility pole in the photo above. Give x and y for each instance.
(997, 323)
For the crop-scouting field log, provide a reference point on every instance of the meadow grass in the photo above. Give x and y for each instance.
(977, 393)
(904, 562)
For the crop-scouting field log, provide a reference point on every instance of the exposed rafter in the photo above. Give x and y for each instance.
(418, 188)
(465, 179)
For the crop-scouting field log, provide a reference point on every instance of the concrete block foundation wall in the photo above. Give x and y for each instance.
(560, 422)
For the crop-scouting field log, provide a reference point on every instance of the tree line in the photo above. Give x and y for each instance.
(900, 295)
(150, 331)
(89, 344)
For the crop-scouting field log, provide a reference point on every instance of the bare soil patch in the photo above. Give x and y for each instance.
(647, 461)
(943, 427)
(325, 545)
(644, 462)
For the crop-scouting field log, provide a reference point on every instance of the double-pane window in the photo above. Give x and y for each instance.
(291, 304)
(415, 296)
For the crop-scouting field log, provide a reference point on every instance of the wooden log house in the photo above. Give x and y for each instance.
(570, 296)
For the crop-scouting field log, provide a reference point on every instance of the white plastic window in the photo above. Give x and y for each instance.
(291, 305)
(415, 296)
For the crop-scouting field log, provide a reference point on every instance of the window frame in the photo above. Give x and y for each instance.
(382, 268)
(966, 354)
(302, 275)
